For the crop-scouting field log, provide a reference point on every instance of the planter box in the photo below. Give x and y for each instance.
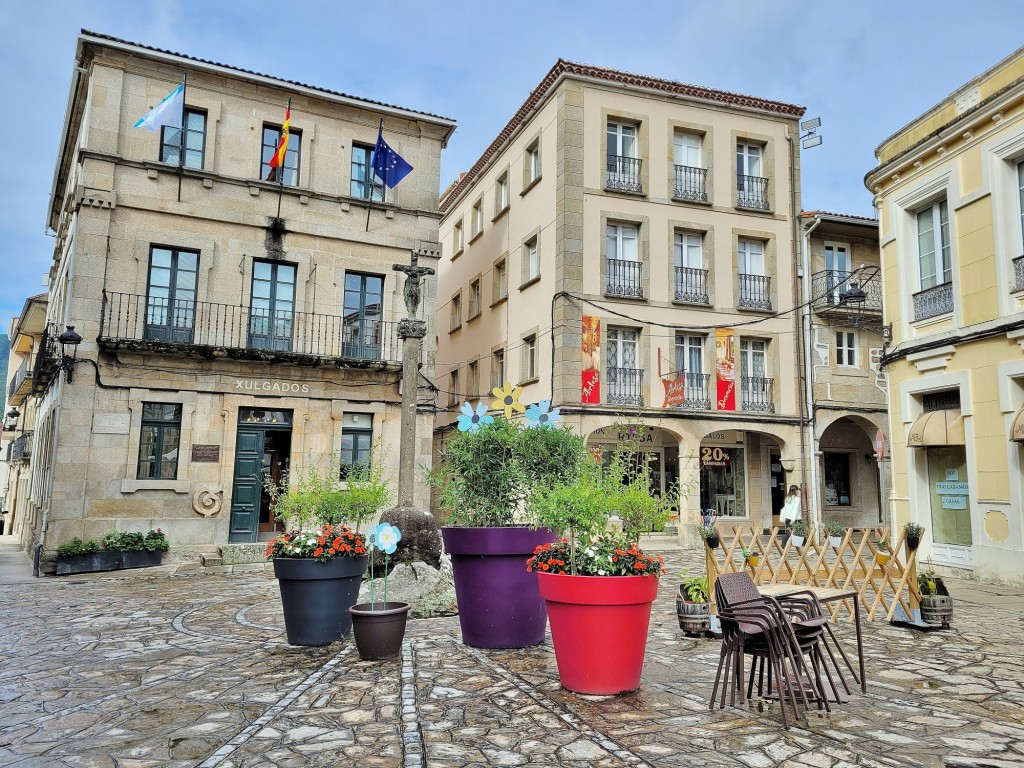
(104, 560)
(141, 559)
(316, 597)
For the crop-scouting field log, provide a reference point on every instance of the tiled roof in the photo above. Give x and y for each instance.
(809, 214)
(110, 38)
(630, 79)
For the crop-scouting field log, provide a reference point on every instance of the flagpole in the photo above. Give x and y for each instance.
(369, 202)
(280, 169)
(181, 131)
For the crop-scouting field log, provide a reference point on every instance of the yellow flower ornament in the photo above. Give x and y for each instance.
(508, 399)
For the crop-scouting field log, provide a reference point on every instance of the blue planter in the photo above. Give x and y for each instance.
(103, 560)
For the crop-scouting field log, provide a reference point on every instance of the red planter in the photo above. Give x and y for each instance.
(599, 629)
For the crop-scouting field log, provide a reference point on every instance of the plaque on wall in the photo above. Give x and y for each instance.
(206, 453)
(111, 423)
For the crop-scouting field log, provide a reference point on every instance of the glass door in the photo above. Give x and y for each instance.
(272, 313)
(171, 296)
(364, 307)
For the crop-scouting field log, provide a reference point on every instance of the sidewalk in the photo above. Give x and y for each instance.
(15, 565)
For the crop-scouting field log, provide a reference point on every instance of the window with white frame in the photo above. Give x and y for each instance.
(750, 255)
(748, 159)
(689, 250)
(473, 379)
(500, 280)
(625, 379)
(498, 368)
(934, 255)
(686, 149)
(531, 259)
(356, 441)
(456, 311)
(837, 269)
(475, 299)
(476, 221)
(622, 347)
(689, 354)
(529, 358)
(753, 358)
(501, 196)
(623, 164)
(621, 242)
(532, 162)
(846, 348)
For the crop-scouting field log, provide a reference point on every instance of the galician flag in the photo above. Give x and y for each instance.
(277, 159)
(167, 112)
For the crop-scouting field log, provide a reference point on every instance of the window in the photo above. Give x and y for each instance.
(748, 160)
(195, 141)
(158, 442)
(755, 386)
(498, 368)
(453, 387)
(689, 247)
(456, 311)
(837, 479)
(271, 138)
(364, 183)
(1020, 189)
(751, 257)
(621, 141)
(621, 241)
(356, 441)
(837, 269)
(623, 164)
(624, 276)
(686, 149)
(171, 295)
(532, 172)
(846, 348)
(531, 259)
(500, 281)
(689, 354)
(458, 242)
(501, 196)
(529, 358)
(624, 376)
(933, 251)
(475, 299)
(362, 326)
(272, 310)
(751, 186)
(473, 380)
(476, 221)
(753, 358)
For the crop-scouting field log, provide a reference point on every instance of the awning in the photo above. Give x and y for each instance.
(1017, 428)
(945, 427)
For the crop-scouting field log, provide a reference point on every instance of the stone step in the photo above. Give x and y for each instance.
(209, 558)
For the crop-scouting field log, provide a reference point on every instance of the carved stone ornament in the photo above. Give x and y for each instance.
(207, 502)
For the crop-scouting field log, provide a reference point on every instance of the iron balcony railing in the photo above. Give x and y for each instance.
(1018, 272)
(624, 174)
(625, 278)
(690, 183)
(47, 359)
(692, 285)
(752, 192)
(756, 394)
(208, 329)
(829, 285)
(930, 302)
(21, 384)
(755, 292)
(20, 448)
(696, 390)
(625, 386)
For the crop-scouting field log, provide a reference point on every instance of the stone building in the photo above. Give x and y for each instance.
(623, 248)
(949, 187)
(235, 319)
(842, 305)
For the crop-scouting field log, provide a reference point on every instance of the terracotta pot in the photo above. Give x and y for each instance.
(378, 628)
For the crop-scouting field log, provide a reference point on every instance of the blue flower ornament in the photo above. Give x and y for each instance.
(385, 537)
(542, 415)
(471, 420)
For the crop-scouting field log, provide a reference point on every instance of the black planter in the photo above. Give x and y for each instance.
(378, 629)
(104, 560)
(316, 597)
(140, 559)
(913, 542)
(713, 541)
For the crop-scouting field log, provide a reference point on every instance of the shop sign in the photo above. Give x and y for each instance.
(268, 385)
(957, 489)
(725, 369)
(954, 502)
(590, 384)
(713, 456)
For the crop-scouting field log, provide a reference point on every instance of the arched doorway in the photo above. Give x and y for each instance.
(660, 445)
(849, 485)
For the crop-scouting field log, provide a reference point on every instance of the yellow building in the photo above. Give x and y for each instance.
(949, 188)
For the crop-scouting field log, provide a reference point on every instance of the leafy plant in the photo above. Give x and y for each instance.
(695, 588)
(799, 528)
(124, 541)
(707, 531)
(926, 583)
(78, 547)
(747, 554)
(834, 528)
(365, 494)
(883, 547)
(326, 543)
(156, 541)
(914, 530)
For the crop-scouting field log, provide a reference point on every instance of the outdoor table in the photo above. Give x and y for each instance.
(827, 595)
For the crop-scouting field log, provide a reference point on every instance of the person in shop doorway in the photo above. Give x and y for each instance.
(790, 507)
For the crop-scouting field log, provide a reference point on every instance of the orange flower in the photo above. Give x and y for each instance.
(318, 551)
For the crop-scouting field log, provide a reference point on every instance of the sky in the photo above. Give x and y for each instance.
(865, 67)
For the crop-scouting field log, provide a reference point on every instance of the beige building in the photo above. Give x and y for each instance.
(949, 188)
(843, 315)
(623, 249)
(231, 325)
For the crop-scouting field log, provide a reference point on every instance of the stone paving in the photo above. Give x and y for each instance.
(194, 671)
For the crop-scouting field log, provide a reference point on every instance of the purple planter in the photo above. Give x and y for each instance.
(499, 602)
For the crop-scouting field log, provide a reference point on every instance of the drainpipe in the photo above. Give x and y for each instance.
(805, 264)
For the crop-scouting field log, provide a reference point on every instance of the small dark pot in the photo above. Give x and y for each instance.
(378, 629)
(140, 559)
(316, 597)
(913, 542)
(104, 560)
(713, 541)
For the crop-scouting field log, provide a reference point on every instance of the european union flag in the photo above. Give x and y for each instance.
(388, 165)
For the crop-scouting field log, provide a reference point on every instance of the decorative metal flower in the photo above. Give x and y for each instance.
(541, 415)
(386, 537)
(471, 420)
(508, 399)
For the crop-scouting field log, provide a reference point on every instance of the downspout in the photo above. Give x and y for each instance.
(805, 265)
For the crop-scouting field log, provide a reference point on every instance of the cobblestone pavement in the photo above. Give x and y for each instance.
(194, 671)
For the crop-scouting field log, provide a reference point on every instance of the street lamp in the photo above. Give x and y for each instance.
(11, 420)
(67, 361)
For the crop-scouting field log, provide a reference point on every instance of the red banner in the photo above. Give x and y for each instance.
(591, 382)
(675, 388)
(725, 369)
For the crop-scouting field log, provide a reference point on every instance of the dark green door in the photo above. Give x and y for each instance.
(245, 492)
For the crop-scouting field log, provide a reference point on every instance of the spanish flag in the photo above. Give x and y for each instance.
(277, 159)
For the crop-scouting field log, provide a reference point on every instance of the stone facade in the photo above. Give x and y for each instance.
(267, 334)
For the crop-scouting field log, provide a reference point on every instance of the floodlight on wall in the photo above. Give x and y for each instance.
(810, 138)
(69, 341)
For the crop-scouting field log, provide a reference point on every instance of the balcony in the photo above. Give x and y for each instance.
(692, 285)
(21, 385)
(756, 394)
(697, 391)
(934, 301)
(20, 449)
(624, 278)
(828, 286)
(690, 184)
(752, 192)
(625, 386)
(624, 174)
(204, 329)
(1018, 273)
(755, 292)
(47, 362)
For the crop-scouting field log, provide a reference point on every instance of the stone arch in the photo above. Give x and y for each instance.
(849, 472)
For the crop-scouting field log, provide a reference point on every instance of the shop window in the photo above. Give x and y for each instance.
(837, 479)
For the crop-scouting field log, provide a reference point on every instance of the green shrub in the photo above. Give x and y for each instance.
(78, 547)
(156, 541)
(124, 541)
(834, 528)
(695, 588)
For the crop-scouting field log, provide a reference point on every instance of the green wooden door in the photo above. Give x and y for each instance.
(245, 492)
